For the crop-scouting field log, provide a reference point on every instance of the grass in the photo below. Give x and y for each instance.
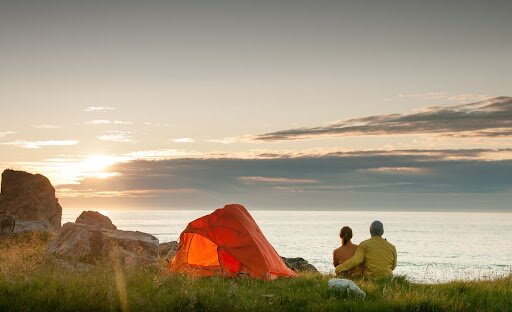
(28, 283)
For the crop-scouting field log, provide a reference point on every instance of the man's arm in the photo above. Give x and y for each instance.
(334, 260)
(356, 259)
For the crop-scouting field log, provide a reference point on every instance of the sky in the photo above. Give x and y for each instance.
(308, 105)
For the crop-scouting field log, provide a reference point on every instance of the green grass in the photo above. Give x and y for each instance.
(28, 283)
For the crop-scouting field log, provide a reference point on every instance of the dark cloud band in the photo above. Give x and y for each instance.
(489, 118)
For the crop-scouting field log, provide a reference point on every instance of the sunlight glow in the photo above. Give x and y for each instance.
(71, 170)
(96, 166)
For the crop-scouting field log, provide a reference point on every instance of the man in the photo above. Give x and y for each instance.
(376, 254)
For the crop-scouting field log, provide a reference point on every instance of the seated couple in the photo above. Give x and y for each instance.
(374, 257)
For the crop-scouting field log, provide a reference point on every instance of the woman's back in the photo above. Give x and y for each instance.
(342, 254)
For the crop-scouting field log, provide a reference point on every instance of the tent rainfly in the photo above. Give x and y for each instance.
(227, 242)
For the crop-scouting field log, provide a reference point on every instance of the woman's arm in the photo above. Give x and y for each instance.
(355, 260)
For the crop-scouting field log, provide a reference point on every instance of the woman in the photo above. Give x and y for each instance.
(346, 251)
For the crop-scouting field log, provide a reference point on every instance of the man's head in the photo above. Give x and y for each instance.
(376, 228)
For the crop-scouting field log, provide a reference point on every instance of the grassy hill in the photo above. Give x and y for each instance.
(27, 283)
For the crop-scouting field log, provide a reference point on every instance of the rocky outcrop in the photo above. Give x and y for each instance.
(30, 200)
(95, 218)
(168, 250)
(97, 241)
(299, 265)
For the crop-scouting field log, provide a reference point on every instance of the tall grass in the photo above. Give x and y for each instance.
(28, 283)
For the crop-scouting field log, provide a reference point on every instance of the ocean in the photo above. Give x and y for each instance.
(432, 247)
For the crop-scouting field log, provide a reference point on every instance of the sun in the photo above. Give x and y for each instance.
(97, 166)
(72, 171)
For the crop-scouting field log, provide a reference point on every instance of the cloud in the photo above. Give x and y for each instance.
(466, 97)
(338, 188)
(156, 124)
(98, 108)
(4, 133)
(491, 133)
(229, 140)
(489, 118)
(399, 170)
(46, 126)
(122, 122)
(277, 180)
(108, 122)
(420, 154)
(400, 179)
(71, 193)
(117, 136)
(184, 140)
(99, 122)
(39, 144)
(456, 170)
(375, 179)
(159, 154)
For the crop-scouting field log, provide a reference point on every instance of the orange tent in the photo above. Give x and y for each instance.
(227, 242)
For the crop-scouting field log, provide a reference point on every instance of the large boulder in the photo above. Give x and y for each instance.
(299, 265)
(95, 218)
(30, 200)
(88, 244)
(168, 250)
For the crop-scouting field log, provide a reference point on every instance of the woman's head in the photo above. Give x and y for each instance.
(345, 235)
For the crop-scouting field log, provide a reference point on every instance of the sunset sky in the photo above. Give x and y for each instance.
(396, 105)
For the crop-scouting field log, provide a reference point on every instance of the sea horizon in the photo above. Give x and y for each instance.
(458, 211)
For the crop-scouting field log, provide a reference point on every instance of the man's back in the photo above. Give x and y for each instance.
(377, 255)
(380, 257)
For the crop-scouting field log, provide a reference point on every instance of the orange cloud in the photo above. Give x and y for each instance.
(257, 179)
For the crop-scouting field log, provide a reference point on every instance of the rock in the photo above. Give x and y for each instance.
(81, 245)
(134, 247)
(29, 198)
(95, 218)
(345, 288)
(168, 250)
(299, 265)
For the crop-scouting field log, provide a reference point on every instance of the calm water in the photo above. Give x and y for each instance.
(432, 247)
